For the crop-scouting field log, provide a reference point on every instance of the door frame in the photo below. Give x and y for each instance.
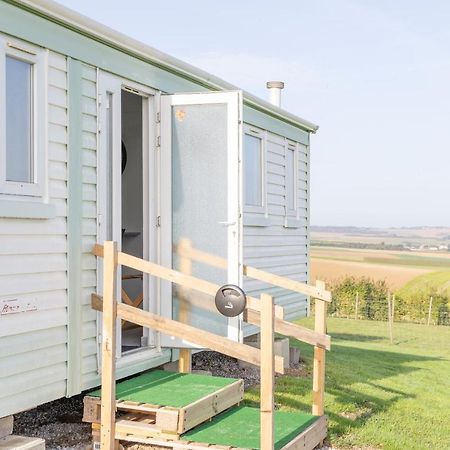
(110, 210)
(233, 100)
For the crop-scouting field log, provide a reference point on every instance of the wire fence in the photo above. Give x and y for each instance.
(430, 311)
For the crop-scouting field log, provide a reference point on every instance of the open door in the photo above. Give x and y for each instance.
(201, 201)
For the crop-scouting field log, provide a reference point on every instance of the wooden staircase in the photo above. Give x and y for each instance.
(193, 411)
(144, 409)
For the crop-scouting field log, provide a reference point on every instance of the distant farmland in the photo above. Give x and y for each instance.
(395, 267)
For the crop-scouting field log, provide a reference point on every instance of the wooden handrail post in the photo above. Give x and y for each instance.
(185, 356)
(320, 326)
(267, 372)
(108, 399)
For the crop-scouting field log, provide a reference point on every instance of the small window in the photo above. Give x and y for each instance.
(253, 167)
(290, 180)
(19, 105)
(22, 118)
(291, 174)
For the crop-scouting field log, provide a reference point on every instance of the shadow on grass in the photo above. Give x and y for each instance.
(357, 337)
(358, 384)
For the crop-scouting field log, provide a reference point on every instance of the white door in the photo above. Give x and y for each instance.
(116, 122)
(201, 191)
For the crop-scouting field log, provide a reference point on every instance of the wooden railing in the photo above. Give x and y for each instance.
(261, 312)
(187, 252)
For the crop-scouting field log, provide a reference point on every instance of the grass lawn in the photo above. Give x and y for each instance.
(378, 395)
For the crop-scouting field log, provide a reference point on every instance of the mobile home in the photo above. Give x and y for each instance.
(103, 137)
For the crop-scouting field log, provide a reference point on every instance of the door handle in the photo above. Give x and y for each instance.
(227, 224)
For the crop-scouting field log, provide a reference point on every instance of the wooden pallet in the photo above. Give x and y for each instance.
(314, 435)
(157, 420)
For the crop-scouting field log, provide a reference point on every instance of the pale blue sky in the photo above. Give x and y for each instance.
(374, 74)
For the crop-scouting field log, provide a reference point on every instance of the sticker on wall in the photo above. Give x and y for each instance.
(180, 114)
(17, 305)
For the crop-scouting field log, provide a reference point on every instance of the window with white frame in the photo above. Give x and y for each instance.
(290, 178)
(254, 173)
(22, 118)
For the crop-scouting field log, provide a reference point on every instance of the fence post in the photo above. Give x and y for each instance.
(319, 356)
(267, 372)
(108, 392)
(429, 310)
(356, 305)
(390, 318)
(185, 355)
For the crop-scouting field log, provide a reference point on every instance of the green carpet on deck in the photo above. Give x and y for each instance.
(239, 427)
(168, 388)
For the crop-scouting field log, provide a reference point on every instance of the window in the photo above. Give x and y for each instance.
(294, 176)
(22, 118)
(290, 180)
(19, 104)
(253, 167)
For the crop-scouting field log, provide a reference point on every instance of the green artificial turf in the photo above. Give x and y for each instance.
(168, 388)
(239, 427)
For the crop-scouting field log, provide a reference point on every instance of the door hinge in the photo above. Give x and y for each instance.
(158, 117)
(158, 141)
(158, 221)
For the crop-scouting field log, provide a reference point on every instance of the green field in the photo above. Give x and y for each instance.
(379, 395)
(438, 281)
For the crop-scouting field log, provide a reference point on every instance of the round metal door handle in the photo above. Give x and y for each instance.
(230, 300)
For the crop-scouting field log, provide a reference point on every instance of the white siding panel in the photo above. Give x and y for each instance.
(88, 278)
(30, 398)
(33, 321)
(57, 78)
(35, 378)
(13, 264)
(57, 61)
(57, 96)
(33, 265)
(57, 152)
(20, 343)
(57, 115)
(24, 245)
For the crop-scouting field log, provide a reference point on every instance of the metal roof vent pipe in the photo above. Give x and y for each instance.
(275, 92)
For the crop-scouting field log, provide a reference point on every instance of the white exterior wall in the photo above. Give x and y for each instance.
(33, 264)
(89, 225)
(273, 247)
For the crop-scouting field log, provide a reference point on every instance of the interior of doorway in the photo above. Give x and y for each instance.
(132, 211)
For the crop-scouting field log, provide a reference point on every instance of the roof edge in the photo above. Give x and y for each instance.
(93, 29)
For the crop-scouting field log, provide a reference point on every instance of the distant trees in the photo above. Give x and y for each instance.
(360, 245)
(372, 298)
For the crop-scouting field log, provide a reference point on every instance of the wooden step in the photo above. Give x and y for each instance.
(13, 442)
(148, 419)
(309, 436)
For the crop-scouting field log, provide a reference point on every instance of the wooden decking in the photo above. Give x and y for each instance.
(160, 403)
(297, 432)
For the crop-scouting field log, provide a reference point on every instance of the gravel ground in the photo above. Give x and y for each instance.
(59, 422)
(223, 366)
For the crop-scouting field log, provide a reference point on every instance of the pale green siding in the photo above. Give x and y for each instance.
(45, 253)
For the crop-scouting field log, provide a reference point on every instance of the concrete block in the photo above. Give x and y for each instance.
(171, 366)
(13, 442)
(6, 426)
(281, 348)
(202, 372)
(294, 356)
